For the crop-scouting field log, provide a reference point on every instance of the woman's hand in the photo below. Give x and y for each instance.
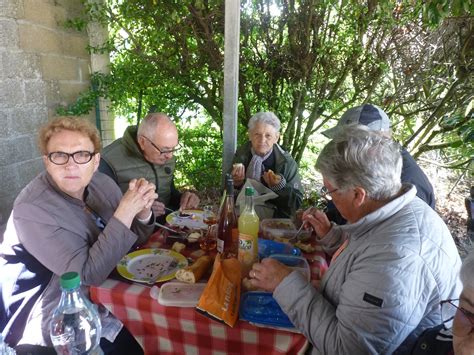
(137, 201)
(238, 174)
(318, 220)
(268, 274)
(271, 179)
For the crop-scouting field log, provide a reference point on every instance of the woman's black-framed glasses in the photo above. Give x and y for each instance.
(79, 157)
(162, 151)
(325, 193)
(457, 318)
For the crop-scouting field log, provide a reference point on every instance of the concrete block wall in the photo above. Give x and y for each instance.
(42, 65)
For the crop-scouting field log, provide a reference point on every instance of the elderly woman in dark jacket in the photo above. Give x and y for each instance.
(262, 159)
(69, 218)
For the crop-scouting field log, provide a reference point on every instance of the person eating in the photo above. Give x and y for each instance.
(264, 160)
(68, 218)
(148, 151)
(391, 264)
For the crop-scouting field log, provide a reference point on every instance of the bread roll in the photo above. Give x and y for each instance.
(193, 273)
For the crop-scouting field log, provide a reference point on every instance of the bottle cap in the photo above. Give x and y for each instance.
(249, 191)
(70, 280)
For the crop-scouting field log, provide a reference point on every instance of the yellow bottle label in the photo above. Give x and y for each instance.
(247, 252)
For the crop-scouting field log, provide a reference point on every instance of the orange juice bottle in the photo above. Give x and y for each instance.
(248, 234)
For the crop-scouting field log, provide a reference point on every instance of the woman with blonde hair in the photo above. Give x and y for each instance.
(68, 218)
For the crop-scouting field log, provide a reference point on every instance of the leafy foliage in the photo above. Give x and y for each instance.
(306, 60)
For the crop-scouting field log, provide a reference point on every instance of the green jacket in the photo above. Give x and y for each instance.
(123, 161)
(290, 196)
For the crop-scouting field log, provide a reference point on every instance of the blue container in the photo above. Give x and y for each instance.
(268, 247)
(261, 308)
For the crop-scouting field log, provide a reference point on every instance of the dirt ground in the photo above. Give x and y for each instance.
(451, 189)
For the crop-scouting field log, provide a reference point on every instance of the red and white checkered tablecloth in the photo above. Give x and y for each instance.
(178, 330)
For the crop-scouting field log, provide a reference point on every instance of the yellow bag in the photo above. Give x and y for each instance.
(220, 299)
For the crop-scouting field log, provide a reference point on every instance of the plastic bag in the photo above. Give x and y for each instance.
(263, 194)
(220, 300)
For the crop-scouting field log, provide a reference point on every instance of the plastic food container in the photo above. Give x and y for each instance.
(260, 308)
(295, 262)
(281, 229)
(180, 294)
(270, 247)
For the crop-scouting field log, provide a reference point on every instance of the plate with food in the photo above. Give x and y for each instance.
(151, 265)
(192, 219)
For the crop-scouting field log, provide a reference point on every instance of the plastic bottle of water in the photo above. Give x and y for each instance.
(75, 326)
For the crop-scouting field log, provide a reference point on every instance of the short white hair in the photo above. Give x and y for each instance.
(264, 117)
(150, 123)
(359, 157)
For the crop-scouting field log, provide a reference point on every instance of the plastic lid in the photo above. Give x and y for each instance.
(262, 309)
(70, 280)
(249, 191)
(177, 294)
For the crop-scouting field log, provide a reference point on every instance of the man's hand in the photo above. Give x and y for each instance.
(188, 201)
(238, 174)
(268, 274)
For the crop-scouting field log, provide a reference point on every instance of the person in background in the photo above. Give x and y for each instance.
(456, 334)
(391, 264)
(147, 151)
(375, 119)
(69, 218)
(262, 159)
(463, 323)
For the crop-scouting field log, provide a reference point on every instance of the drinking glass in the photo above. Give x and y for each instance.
(209, 241)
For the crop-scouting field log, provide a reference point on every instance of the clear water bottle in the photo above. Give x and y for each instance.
(75, 326)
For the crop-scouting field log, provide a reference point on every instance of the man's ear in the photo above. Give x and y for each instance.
(141, 142)
(360, 196)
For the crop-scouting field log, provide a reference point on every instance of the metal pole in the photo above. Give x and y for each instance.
(231, 79)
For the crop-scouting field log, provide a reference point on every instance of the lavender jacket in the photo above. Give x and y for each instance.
(50, 233)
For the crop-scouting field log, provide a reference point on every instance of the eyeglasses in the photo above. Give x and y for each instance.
(325, 193)
(462, 321)
(79, 157)
(162, 151)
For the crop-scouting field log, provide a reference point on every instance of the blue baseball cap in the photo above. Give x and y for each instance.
(368, 115)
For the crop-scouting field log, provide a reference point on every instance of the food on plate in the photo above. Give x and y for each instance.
(194, 272)
(178, 247)
(194, 237)
(306, 247)
(185, 215)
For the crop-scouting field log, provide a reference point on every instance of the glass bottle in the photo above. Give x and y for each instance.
(248, 234)
(75, 326)
(227, 231)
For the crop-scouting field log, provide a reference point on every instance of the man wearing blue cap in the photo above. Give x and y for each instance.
(377, 120)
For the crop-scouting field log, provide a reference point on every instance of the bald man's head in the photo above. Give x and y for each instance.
(157, 137)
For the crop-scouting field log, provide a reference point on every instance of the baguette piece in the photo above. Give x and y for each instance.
(193, 273)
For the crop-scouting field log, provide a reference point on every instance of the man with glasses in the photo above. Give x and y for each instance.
(456, 333)
(148, 151)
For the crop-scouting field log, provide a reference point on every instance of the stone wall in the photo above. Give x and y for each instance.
(42, 65)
